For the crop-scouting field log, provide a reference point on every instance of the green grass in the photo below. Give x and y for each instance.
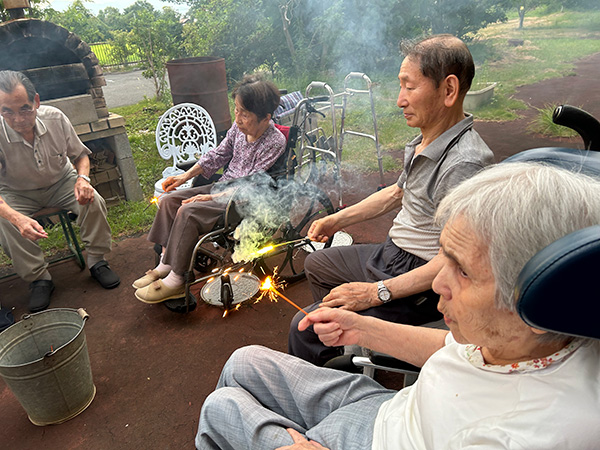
(552, 43)
(543, 124)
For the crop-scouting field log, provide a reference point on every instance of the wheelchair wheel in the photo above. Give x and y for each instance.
(318, 168)
(309, 203)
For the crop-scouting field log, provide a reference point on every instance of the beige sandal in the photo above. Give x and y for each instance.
(150, 277)
(158, 292)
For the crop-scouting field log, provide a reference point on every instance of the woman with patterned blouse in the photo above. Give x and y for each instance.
(252, 145)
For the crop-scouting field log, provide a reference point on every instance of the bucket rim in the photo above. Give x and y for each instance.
(80, 312)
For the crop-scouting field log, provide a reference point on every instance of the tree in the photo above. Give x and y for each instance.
(462, 17)
(112, 18)
(79, 20)
(524, 6)
(157, 35)
(34, 11)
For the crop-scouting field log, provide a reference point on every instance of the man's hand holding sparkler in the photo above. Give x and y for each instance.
(356, 296)
(322, 229)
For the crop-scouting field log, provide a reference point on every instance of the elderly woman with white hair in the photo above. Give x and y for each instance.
(492, 381)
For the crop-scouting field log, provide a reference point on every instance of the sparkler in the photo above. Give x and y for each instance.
(268, 288)
(269, 248)
(154, 201)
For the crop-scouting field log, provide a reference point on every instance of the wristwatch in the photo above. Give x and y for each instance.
(85, 177)
(383, 293)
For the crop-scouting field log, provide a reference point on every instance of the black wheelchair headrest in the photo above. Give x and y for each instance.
(557, 289)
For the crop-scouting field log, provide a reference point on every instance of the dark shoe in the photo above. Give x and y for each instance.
(6, 319)
(104, 275)
(40, 295)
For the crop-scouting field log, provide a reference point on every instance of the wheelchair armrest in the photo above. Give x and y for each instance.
(186, 165)
(354, 364)
(386, 361)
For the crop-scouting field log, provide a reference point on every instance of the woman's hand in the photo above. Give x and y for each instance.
(173, 182)
(198, 198)
(301, 443)
(334, 326)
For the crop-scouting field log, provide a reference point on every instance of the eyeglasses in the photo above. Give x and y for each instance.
(26, 111)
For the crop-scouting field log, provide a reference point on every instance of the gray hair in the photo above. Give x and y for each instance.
(10, 80)
(441, 55)
(257, 94)
(517, 209)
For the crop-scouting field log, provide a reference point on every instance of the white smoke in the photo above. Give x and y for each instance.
(264, 205)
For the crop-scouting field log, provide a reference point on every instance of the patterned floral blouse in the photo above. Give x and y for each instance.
(475, 357)
(244, 158)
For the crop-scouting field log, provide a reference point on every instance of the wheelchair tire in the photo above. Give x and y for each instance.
(287, 261)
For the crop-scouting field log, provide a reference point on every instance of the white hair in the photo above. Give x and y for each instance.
(516, 209)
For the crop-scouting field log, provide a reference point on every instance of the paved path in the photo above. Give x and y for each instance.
(127, 88)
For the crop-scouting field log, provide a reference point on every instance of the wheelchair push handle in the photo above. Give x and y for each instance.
(582, 122)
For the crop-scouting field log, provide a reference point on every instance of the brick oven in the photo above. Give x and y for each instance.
(67, 75)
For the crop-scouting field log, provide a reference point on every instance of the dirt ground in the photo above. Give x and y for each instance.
(153, 368)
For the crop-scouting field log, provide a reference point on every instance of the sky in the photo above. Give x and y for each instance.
(96, 5)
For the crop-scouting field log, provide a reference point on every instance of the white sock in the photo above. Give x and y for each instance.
(173, 280)
(162, 267)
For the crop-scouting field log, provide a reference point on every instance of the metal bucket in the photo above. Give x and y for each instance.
(201, 80)
(44, 361)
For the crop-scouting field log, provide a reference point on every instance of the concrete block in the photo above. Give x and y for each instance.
(100, 125)
(98, 81)
(102, 112)
(84, 128)
(78, 108)
(114, 120)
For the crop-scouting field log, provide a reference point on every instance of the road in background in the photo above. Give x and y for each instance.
(126, 88)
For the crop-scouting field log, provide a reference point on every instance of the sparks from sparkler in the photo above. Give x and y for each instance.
(271, 292)
(154, 201)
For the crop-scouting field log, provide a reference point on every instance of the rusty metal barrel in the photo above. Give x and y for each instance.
(201, 80)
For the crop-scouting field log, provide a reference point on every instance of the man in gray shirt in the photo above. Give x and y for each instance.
(392, 280)
(44, 164)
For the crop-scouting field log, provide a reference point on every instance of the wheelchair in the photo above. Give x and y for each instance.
(563, 271)
(229, 279)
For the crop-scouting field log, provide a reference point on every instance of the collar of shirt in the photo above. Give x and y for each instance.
(437, 148)
(475, 357)
(12, 136)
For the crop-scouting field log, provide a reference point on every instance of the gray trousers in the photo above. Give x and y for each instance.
(177, 227)
(262, 392)
(328, 268)
(27, 256)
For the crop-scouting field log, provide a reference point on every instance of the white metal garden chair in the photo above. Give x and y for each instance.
(185, 132)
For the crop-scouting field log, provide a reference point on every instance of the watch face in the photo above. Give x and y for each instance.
(383, 293)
